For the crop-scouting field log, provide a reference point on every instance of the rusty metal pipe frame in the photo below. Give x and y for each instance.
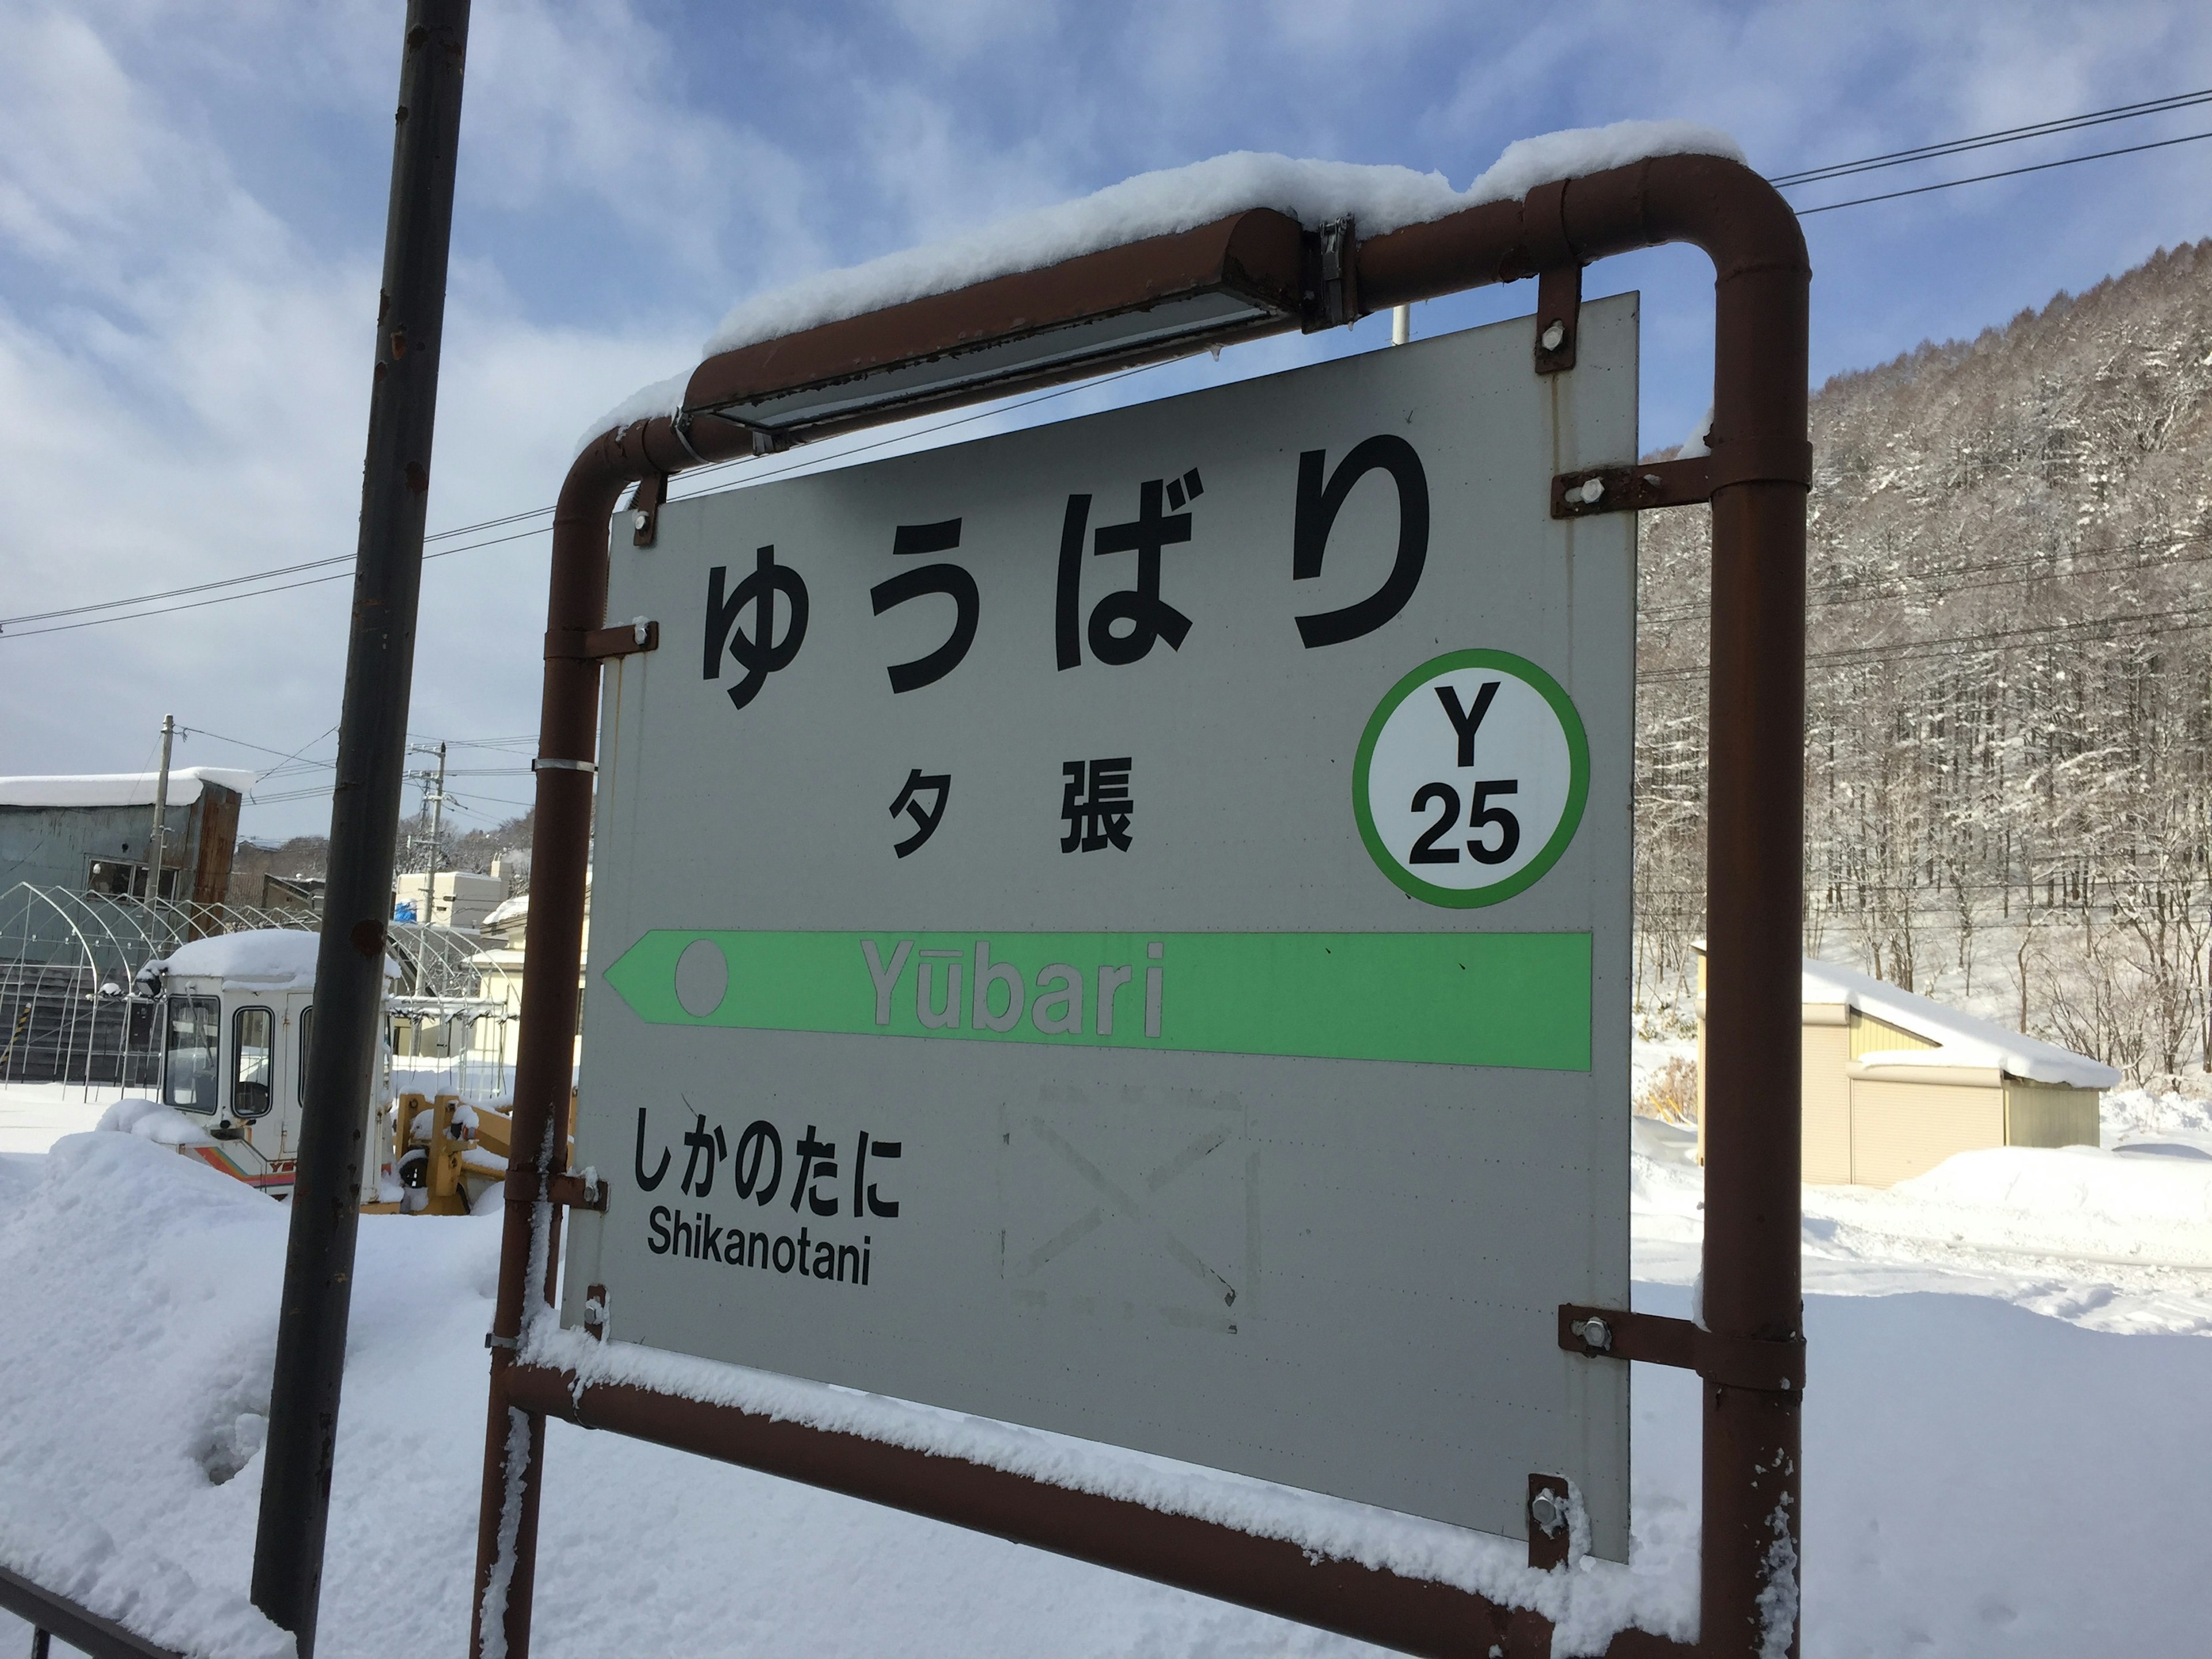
(1414, 1615)
(1759, 470)
(50, 1615)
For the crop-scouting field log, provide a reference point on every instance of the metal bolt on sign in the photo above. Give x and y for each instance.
(1248, 276)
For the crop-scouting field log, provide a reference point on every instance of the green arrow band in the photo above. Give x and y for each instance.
(1517, 999)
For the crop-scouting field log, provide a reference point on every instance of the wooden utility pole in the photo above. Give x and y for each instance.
(372, 767)
(158, 840)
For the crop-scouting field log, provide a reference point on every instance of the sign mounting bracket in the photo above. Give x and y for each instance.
(1771, 1366)
(1558, 316)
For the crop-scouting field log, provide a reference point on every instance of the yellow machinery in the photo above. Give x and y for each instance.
(447, 1154)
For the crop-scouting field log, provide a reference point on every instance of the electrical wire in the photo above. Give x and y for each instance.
(1842, 591)
(1954, 645)
(2007, 173)
(223, 598)
(263, 748)
(10, 626)
(1898, 158)
(1789, 180)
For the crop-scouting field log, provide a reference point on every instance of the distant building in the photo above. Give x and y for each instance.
(451, 898)
(1894, 1084)
(506, 932)
(90, 834)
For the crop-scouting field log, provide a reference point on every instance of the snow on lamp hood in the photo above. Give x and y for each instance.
(1378, 199)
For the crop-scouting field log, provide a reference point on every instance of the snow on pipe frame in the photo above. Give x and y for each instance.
(1756, 481)
(50, 1615)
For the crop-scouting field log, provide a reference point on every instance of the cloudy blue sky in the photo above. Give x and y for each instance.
(192, 203)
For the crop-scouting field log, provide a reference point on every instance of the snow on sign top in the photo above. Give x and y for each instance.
(1378, 199)
(119, 788)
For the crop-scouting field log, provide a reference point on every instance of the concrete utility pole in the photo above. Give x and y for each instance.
(372, 767)
(437, 821)
(437, 802)
(157, 842)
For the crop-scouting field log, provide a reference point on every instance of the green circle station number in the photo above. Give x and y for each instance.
(1471, 778)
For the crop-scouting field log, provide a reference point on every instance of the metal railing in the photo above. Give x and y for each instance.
(50, 1615)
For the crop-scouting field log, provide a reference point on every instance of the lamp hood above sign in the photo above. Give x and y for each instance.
(1252, 274)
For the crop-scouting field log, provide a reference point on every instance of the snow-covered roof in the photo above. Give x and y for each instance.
(274, 956)
(1378, 199)
(505, 911)
(119, 789)
(1960, 1039)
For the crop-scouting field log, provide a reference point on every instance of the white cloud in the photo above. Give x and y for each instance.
(183, 388)
(191, 210)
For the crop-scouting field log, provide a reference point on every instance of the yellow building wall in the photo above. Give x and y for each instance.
(1827, 1098)
(1877, 1133)
(2047, 1115)
(1870, 1035)
(1899, 1130)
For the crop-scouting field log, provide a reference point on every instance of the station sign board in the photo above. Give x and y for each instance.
(1122, 928)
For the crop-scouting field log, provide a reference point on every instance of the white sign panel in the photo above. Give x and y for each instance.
(1123, 928)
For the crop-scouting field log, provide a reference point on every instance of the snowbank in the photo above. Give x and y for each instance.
(119, 789)
(1953, 1447)
(35, 1116)
(2120, 1196)
(1960, 1038)
(2133, 1116)
(142, 1302)
(1378, 199)
(149, 1120)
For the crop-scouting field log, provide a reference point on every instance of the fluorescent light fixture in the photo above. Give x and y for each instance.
(1103, 342)
(1251, 274)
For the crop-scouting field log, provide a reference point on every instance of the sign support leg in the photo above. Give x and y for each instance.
(530, 1249)
(1752, 1486)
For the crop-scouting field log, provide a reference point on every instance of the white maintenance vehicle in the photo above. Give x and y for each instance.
(234, 1018)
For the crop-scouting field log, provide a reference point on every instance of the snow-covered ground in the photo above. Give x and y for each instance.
(35, 1116)
(2005, 1452)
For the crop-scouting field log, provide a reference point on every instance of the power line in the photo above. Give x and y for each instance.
(1812, 175)
(2007, 173)
(202, 731)
(223, 598)
(9, 624)
(1953, 644)
(1897, 158)
(501, 801)
(1840, 591)
(486, 742)
(288, 765)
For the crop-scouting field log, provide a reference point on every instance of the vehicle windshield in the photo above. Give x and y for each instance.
(189, 1069)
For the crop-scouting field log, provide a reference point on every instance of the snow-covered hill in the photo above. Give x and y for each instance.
(2009, 688)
